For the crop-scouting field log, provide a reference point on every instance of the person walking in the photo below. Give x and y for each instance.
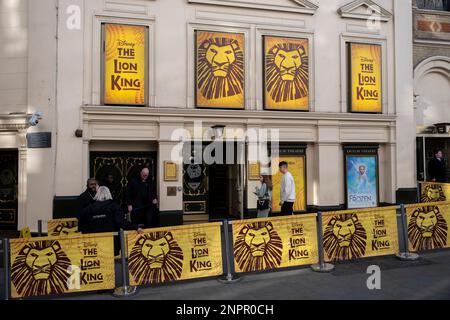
(287, 190)
(142, 200)
(105, 215)
(264, 194)
(437, 167)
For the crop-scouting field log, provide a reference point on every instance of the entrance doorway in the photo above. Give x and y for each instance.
(8, 189)
(426, 147)
(123, 166)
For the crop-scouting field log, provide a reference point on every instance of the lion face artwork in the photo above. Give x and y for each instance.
(427, 229)
(286, 72)
(40, 268)
(345, 238)
(433, 193)
(156, 257)
(258, 247)
(220, 67)
(65, 228)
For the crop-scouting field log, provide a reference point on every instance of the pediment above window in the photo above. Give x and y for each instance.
(364, 10)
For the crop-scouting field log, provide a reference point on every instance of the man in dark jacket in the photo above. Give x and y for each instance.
(85, 199)
(105, 215)
(437, 168)
(142, 200)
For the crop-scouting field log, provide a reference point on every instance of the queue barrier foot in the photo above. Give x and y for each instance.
(324, 268)
(125, 291)
(230, 278)
(407, 256)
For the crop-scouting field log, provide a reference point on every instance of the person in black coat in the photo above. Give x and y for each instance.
(105, 215)
(437, 168)
(85, 199)
(142, 200)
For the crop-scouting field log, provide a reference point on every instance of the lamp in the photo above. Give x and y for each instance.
(218, 131)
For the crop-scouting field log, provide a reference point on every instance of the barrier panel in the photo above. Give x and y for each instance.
(428, 225)
(434, 192)
(360, 233)
(63, 227)
(272, 243)
(175, 253)
(58, 265)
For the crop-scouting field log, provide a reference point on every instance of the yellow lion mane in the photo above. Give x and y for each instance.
(280, 90)
(273, 249)
(22, 274)
(357, 247)
(439, 238)
(172, 266)
(425, 197)
(213, 87)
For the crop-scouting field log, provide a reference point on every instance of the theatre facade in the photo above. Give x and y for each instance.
(325, 85)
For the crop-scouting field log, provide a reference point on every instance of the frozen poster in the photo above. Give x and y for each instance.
(362, 182)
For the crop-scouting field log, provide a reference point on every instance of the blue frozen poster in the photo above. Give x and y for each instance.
(362, 181)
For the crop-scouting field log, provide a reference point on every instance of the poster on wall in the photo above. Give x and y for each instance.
(219, 74)
(125, 63)
(361, 177)
(365, 78)
(296, 159)
(286, 73)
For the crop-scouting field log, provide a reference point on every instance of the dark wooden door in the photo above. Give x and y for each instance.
(8, 189)
(218, 190)
(124, 166)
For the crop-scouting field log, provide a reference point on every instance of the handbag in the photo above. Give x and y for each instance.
(263, 204)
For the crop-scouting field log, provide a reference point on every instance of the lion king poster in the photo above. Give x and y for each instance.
(62, 227)
(220, 70)
(365, 78)
(125, 57)
(428, 225)
(58, 265)
(272, 243)
(434, 192)
(286, 73)
(174, 253)
(354, 234)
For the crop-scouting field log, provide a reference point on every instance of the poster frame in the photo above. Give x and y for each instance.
(362, 150)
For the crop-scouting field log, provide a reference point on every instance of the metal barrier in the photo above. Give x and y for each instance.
(321, 266)
(230, 277)
(125, 290)
(6, 267)
(405, 255)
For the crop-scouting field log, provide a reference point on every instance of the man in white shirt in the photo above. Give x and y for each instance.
(287, 190)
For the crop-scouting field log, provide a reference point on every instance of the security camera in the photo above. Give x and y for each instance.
(34, 120)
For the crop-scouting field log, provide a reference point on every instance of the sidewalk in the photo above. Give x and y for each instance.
(427, 278)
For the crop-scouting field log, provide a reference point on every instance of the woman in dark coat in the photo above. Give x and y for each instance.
(105, 215)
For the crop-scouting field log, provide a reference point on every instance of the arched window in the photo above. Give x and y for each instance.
(442, 5)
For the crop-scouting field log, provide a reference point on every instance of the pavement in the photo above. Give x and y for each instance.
(426, 278)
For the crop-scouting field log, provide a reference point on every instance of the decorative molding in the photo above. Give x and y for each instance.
(123, 7)
(302, 6)
(364, 10)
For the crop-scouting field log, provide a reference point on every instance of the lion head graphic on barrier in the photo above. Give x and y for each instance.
(156, 257)
(432, 193)
(344, 237)
(287, 72)
(258, 247)
(65, 228)
(40, 268)
(220, 68)
(427, 229)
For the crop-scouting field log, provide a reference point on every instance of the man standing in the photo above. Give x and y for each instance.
(287, 190)
(142, 200)
(86, 199)
(437, 168)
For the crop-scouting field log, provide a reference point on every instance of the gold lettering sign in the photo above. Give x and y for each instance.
(220, 70)
(354, 234)
(296, 166)
(174, 253)
(365, 78)
(124, 64)
(58, 265)
(286, 73)
(428, 226)
(264, 244)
